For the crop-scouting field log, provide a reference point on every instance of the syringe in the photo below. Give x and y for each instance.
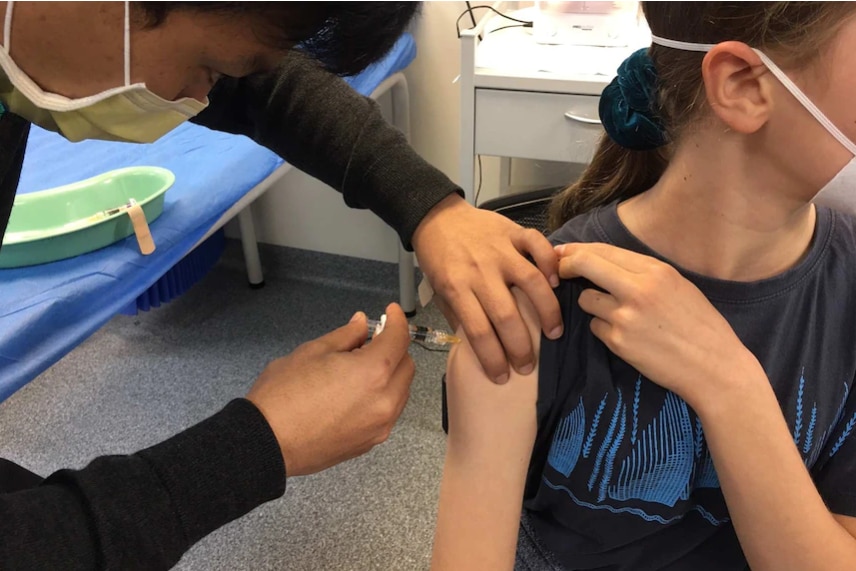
(417, 333)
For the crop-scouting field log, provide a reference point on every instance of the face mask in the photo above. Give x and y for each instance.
(840, 192)
(130, 113)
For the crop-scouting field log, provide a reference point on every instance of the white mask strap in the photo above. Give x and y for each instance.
(686, 46)
(127, 44)
(7, 27)
(7, 36)
(780, 75)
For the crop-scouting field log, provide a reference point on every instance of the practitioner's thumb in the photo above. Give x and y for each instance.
(348, 337)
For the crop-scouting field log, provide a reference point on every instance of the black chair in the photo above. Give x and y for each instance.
(528, 209)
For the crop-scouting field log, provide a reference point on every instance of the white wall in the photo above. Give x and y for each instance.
(303, 213)
(435, 107)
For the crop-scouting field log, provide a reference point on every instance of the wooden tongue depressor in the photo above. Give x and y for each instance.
(141, 227)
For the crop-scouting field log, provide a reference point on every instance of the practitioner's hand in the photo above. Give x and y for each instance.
(333, 399)
(656, 320)
(472, 258)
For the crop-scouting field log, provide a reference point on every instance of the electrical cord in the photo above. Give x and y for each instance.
(512, 26)
(472, 19)
(469, 10)
(478, 188)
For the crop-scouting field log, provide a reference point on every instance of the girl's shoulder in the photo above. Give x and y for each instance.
(841, 229)
(586, 227)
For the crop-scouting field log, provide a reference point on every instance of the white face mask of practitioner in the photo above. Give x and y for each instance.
(840, 192)
(129, 113)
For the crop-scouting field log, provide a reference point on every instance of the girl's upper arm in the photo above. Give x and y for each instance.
(491, 433)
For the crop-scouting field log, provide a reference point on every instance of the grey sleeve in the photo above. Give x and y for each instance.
(316, 122)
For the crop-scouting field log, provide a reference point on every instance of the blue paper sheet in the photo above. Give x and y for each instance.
(45, 311)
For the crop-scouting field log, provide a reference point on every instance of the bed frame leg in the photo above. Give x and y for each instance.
(251, 247)
(400, 94)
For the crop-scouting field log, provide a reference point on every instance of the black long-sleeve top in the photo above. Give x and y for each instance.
(144, 510)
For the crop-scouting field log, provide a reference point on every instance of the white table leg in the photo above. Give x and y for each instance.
(400, 94)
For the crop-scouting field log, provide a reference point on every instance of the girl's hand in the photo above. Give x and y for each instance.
(657, 321)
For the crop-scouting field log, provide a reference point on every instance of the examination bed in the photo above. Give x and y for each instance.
(46, 310)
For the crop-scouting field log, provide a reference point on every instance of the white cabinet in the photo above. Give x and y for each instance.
(536, 125)
(524, 100)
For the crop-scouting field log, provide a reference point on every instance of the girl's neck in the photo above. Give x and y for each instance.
(718, 212)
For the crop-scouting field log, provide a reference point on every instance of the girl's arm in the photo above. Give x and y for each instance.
(662, 325)
(778, 514)
(491, 434)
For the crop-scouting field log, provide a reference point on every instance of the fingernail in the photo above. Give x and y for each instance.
(556, 333)
(527, 368)
(560, 249)
(356, 316)
(554, 281)
(502, 379)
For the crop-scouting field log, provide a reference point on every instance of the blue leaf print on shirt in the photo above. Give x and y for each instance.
(660, 466)
(636, 409)
(604, 446)
(699, 438)
(610, 457)
(593, 429)
(847, 430)
(798, 421)
(809, 435)
(568, 441)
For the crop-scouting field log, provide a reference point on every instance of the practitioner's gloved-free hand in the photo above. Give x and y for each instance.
(472, 258)
(333, 398)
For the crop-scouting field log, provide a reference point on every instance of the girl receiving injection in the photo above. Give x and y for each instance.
(699, 411)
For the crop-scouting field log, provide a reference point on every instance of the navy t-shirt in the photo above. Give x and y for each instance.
(621, 476)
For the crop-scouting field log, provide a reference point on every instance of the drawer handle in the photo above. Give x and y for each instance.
(580, 119)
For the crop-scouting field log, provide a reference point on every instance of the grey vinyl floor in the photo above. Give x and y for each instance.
(141, 379)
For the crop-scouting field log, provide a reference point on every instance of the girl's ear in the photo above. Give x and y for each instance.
(738, 86)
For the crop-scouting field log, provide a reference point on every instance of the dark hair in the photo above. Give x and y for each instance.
(345, 37)
(794, 32)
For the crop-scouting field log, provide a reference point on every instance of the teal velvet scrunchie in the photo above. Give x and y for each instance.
(627, 105)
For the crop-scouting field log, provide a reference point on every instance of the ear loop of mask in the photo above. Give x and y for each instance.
(7, 35)
(7, 27)
(780, 75)
(127, 44)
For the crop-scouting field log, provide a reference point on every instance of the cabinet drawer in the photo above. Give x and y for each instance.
(534, 125)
